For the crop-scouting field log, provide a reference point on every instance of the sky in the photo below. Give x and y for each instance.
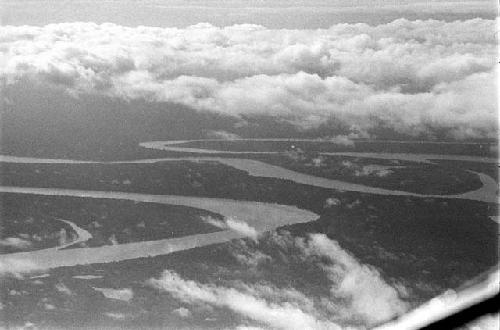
(270, 13)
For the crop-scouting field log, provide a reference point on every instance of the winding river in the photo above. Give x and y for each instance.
(420, 158)
(261, 216)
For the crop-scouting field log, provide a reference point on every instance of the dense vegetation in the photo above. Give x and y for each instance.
(427, 245)
(34, 218)
(414, 177)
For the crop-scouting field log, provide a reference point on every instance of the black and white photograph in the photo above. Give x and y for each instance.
(249, 164)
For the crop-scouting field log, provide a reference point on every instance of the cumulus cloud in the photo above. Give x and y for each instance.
(17, 267)
(233, 224)
(250, 258)
(343, 140)
(62, 288)
(358, 293)
(378, 170)
(284, 315)
(125, 294)
(182, 312)
(410, 76)
(223, 135)
(365, 294)
(368, 294)
(116, 316)
(245, 327)
(332, 201)
(15, 242)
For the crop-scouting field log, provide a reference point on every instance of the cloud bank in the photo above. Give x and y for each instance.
(359, 296)
(284, 315)
(410, 76)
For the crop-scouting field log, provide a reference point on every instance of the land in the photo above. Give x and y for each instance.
(35, 219)
(427, 245)
(421, 245)
(389, 174)
(325, 144)
(186, 177)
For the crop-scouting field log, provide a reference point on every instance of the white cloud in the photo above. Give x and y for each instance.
(62, 288)
(283, 315)
(332, 201)
(411, 76)
(182, 312)
(245, 327)
(242, 228)
(223, 135)
(125, 294)
(17, 267)
(252, 259)
(378, 170)
(214, 222)
(343, 140)
(357, 292)
(368, 294)
(49, 306)
(116, 316)
(233, 224)
(15, 242)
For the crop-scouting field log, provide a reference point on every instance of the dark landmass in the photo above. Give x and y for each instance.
(490, 169)
(109, 221)
(25, 228)
(482, 149)
(188, 178)
(428, 245)
(414, 177)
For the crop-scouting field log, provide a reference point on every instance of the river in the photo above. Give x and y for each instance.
(261, 216)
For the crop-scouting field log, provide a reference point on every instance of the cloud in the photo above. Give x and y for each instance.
(62, 288)
(365, 293)
(332, 201)
(234, 225)
(251, 259)
(15, 242)
(358, 293)
(223, 135)
(378, 170)
(285, 315)
(343, 140)
(242, 228)
(125, 294)
(368, 294)
(182, 312)
(410, 76)
(244, 327)
(116, 316)
(17, 267)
